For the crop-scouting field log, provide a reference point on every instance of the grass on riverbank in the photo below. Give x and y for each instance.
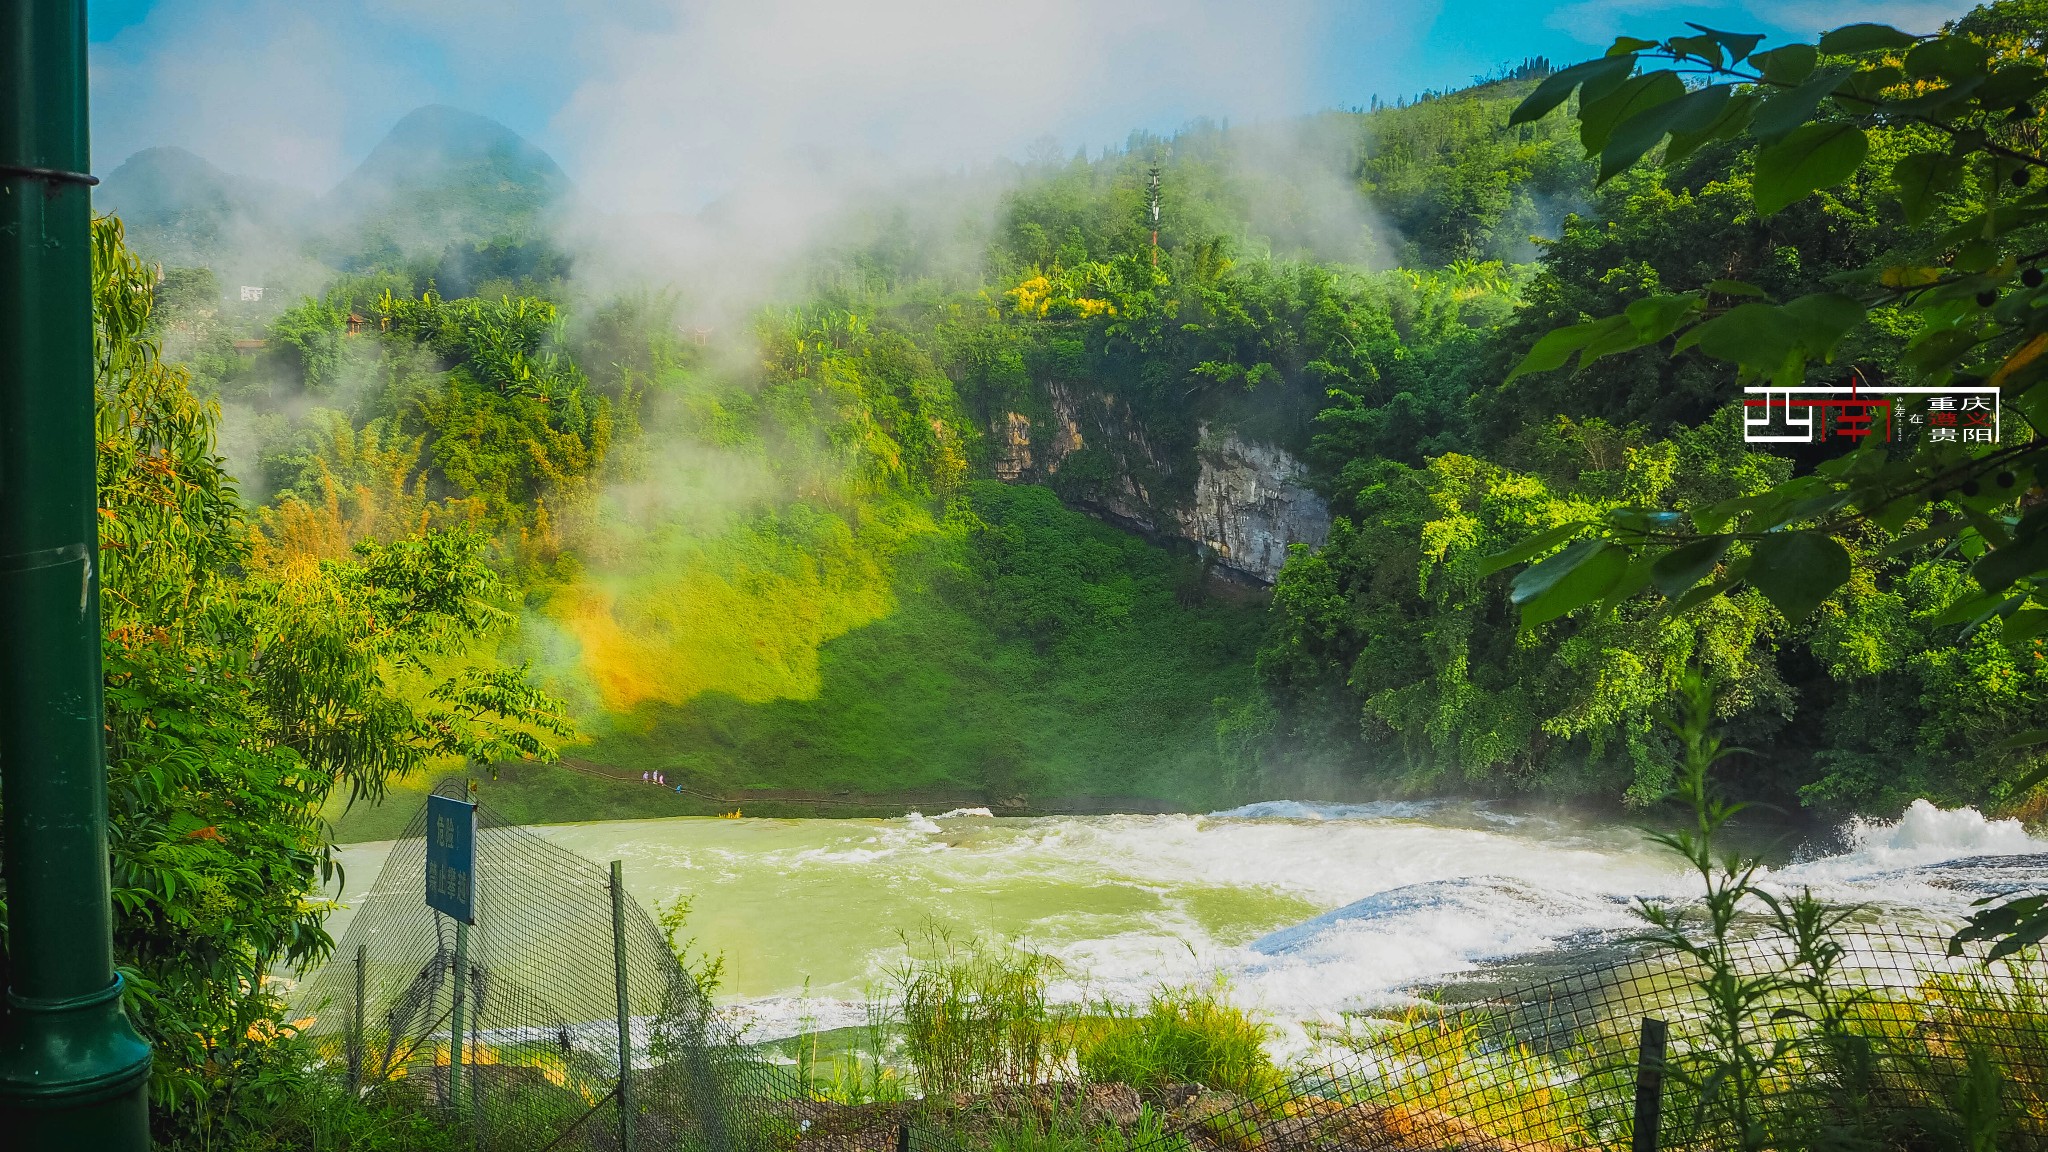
(1032, 651)
(1032, 654)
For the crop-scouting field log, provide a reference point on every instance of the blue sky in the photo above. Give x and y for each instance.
(669, 102)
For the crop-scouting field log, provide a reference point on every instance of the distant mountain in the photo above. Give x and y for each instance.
(440, 177)
(182, 210)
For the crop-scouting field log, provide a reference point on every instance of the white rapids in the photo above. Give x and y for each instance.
(1306, 910)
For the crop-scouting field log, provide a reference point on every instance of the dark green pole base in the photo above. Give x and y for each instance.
(73, 1074)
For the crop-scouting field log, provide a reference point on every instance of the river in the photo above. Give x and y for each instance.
(1306, 910)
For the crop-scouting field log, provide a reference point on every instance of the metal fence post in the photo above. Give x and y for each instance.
(455, 1030)
(1649, 1085)
(625, 1019)
(355, 1030)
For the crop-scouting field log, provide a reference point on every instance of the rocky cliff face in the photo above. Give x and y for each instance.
(1249, 505)
(1245, 505)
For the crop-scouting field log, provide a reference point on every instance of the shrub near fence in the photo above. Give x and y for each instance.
(1930, 1052)
(561, 968)
(1903, 1046)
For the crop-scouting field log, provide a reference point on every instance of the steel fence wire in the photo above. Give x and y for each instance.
(1900, 1046)
(539, 1065)
(1905, 1046)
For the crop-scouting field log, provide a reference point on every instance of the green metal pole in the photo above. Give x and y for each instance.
(455, 1029)
(72, 1070)
(625, 1014)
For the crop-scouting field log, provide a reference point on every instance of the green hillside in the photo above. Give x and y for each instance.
(772, 564)
(440, 178)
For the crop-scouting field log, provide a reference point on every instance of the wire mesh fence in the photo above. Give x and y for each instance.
(1903, 1047)
(561, 1019)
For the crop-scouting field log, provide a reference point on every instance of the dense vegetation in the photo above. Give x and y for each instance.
(466, 515)
(247, 681)
(724, 569)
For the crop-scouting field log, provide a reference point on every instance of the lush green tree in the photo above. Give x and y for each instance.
(240, 693)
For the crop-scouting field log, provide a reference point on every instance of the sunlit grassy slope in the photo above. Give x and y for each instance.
(1013, 648)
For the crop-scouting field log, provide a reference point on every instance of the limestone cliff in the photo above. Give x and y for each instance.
(1249, 505)
(1237, 502)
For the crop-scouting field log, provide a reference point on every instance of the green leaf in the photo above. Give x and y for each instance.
(1811, 158)
(1554, 348)
(1786, 66)
(1539, 578)
(1582, 576)
(1598, 118)
(1558, 86)
(1797, 570)
(1719, 516)
(1693, 112)
(1785, 110)
(1937, 101)
(1531, 548)
(2016, 924)
(1923, 179)
(1863, 90)
(1736, 288)
(1655, 317)
(1853, 39)
(1611, 334)
(1629, 45)
(1676, 571)
(1633, 579)
(1700, 595)
(2026, 555)
(1738, 44)
(1735, 116)
(1953, 58)
(2013, 85)
(1892, 515)
(2026, 739)
(1811, 508)
(1937, 349)
(1635, 136)
(2025, 624)
(1823, 318)
(1705, 47)
(1752, 335)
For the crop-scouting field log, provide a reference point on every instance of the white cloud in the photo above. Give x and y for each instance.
(1822, 15)
(728, 93)
(256, 88)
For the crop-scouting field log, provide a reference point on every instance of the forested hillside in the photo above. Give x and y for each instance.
(1081, 518)
(780, 558)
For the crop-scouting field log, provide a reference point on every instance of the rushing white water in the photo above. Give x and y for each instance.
(1306, 909)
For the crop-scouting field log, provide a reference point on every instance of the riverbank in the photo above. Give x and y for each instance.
(1305, 909)
(576, 791)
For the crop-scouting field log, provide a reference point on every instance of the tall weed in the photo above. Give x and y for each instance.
(1182, 1036)
(976, 1016)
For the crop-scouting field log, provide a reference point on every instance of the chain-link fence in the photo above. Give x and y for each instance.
(1901, 1046)
(560, 1019)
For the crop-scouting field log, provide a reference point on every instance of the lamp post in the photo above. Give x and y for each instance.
(73, 1072)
